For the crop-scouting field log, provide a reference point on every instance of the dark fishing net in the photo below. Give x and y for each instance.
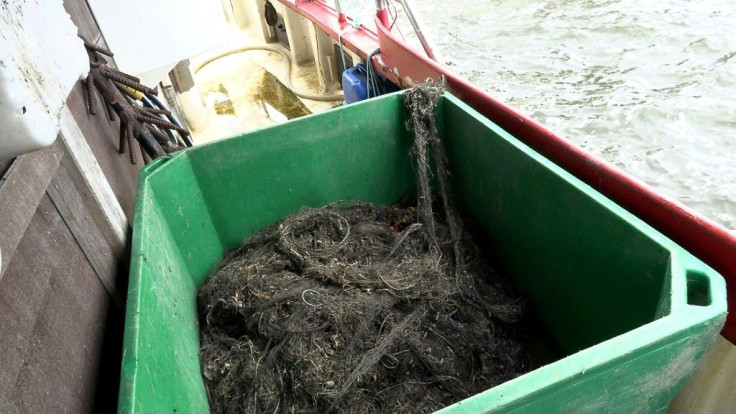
(356, 308)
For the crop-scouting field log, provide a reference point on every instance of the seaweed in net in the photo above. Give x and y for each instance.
(355, 307)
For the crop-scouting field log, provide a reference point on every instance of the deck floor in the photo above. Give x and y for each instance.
(241, 93)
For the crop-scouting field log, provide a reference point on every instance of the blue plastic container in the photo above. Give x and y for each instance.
(355, 84)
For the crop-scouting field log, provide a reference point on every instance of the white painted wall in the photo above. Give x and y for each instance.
(150, 37)
(41, 58)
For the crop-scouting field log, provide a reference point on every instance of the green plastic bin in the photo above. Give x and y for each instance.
(632, 311)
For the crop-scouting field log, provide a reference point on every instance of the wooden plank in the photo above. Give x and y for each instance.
(92, 183)
(53, 323)
(101, 133)
(103, 258)
(102, 138)
(87, 26)
(21, 188)
(83, 18)
(21, 296)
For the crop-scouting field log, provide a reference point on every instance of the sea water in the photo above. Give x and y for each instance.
(648, 86)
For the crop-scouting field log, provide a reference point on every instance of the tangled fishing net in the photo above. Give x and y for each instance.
(356, 308)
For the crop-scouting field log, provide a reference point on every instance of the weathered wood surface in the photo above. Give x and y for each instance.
(85, 21)
(21, 189)
(102, 138)
(53, 324)
(100, 133)
(63, 235)
(88, 176)
(103, 257)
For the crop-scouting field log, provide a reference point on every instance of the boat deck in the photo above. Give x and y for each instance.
(246, 90)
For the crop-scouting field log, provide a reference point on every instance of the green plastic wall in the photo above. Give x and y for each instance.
(609, 289)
